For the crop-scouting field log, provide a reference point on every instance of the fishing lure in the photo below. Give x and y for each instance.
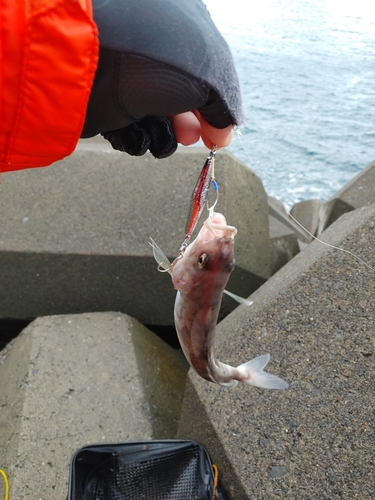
(199, 196)
(197, 202)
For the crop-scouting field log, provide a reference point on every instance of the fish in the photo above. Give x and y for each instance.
(200, 274)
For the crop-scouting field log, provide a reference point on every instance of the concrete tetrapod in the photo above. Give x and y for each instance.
(316, 317)
(74, 236)
(357, 193)
(68, 381)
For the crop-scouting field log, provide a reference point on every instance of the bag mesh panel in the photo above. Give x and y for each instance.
(174, 477)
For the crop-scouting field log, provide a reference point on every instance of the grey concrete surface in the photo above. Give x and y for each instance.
(276, 204)
(330, 211)
(67, 381)
(277, 210)
(357, 193)
(316, 317)
(74, 236)
(307, 214)
(283, 242)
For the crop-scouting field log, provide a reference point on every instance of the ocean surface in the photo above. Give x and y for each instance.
(307, 73)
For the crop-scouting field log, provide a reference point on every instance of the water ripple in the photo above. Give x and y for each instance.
(307, 74)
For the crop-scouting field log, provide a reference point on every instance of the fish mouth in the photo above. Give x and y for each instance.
(217, 227)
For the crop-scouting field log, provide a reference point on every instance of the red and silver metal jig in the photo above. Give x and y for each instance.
(197, 202)
(199, 196)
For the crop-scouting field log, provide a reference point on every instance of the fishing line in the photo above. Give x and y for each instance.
(263, 174)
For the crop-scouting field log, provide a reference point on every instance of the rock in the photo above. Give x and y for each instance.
(284, 244)
(74, 236)
(278, 471)
(307, 214)
(316, 317)
(357, 193)
(67, 381)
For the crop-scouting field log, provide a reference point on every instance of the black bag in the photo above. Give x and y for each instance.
(145, 470)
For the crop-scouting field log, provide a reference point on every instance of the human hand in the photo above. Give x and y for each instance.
(160, 135)
(191, 126)
(164, 77)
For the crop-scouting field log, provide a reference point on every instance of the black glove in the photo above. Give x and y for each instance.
(154, 133)
(158, 58)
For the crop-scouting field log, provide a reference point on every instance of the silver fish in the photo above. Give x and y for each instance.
(200, 275)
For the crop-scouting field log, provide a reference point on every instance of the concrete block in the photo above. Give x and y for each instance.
(276, 204)
(316, 317)
(357, 193)
(307, 214)
(330, 211)
(74, 236)
(278, 212)
(67, 381)
(283, 242)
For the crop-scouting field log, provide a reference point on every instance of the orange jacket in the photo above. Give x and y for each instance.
(49, 53)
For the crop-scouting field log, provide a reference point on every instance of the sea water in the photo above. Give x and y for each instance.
(307, 74)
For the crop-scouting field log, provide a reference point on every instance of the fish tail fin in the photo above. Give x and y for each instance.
(252, 373)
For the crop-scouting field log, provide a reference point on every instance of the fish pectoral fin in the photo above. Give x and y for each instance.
(237, 298)
(253, 374)
(164, 264)
(231, 383)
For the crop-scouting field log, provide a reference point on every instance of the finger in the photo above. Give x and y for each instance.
(187, 128)
(221, 137)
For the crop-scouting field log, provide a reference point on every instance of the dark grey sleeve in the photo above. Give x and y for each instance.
(158, 58)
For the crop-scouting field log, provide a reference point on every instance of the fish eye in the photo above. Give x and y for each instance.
(202, 261)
